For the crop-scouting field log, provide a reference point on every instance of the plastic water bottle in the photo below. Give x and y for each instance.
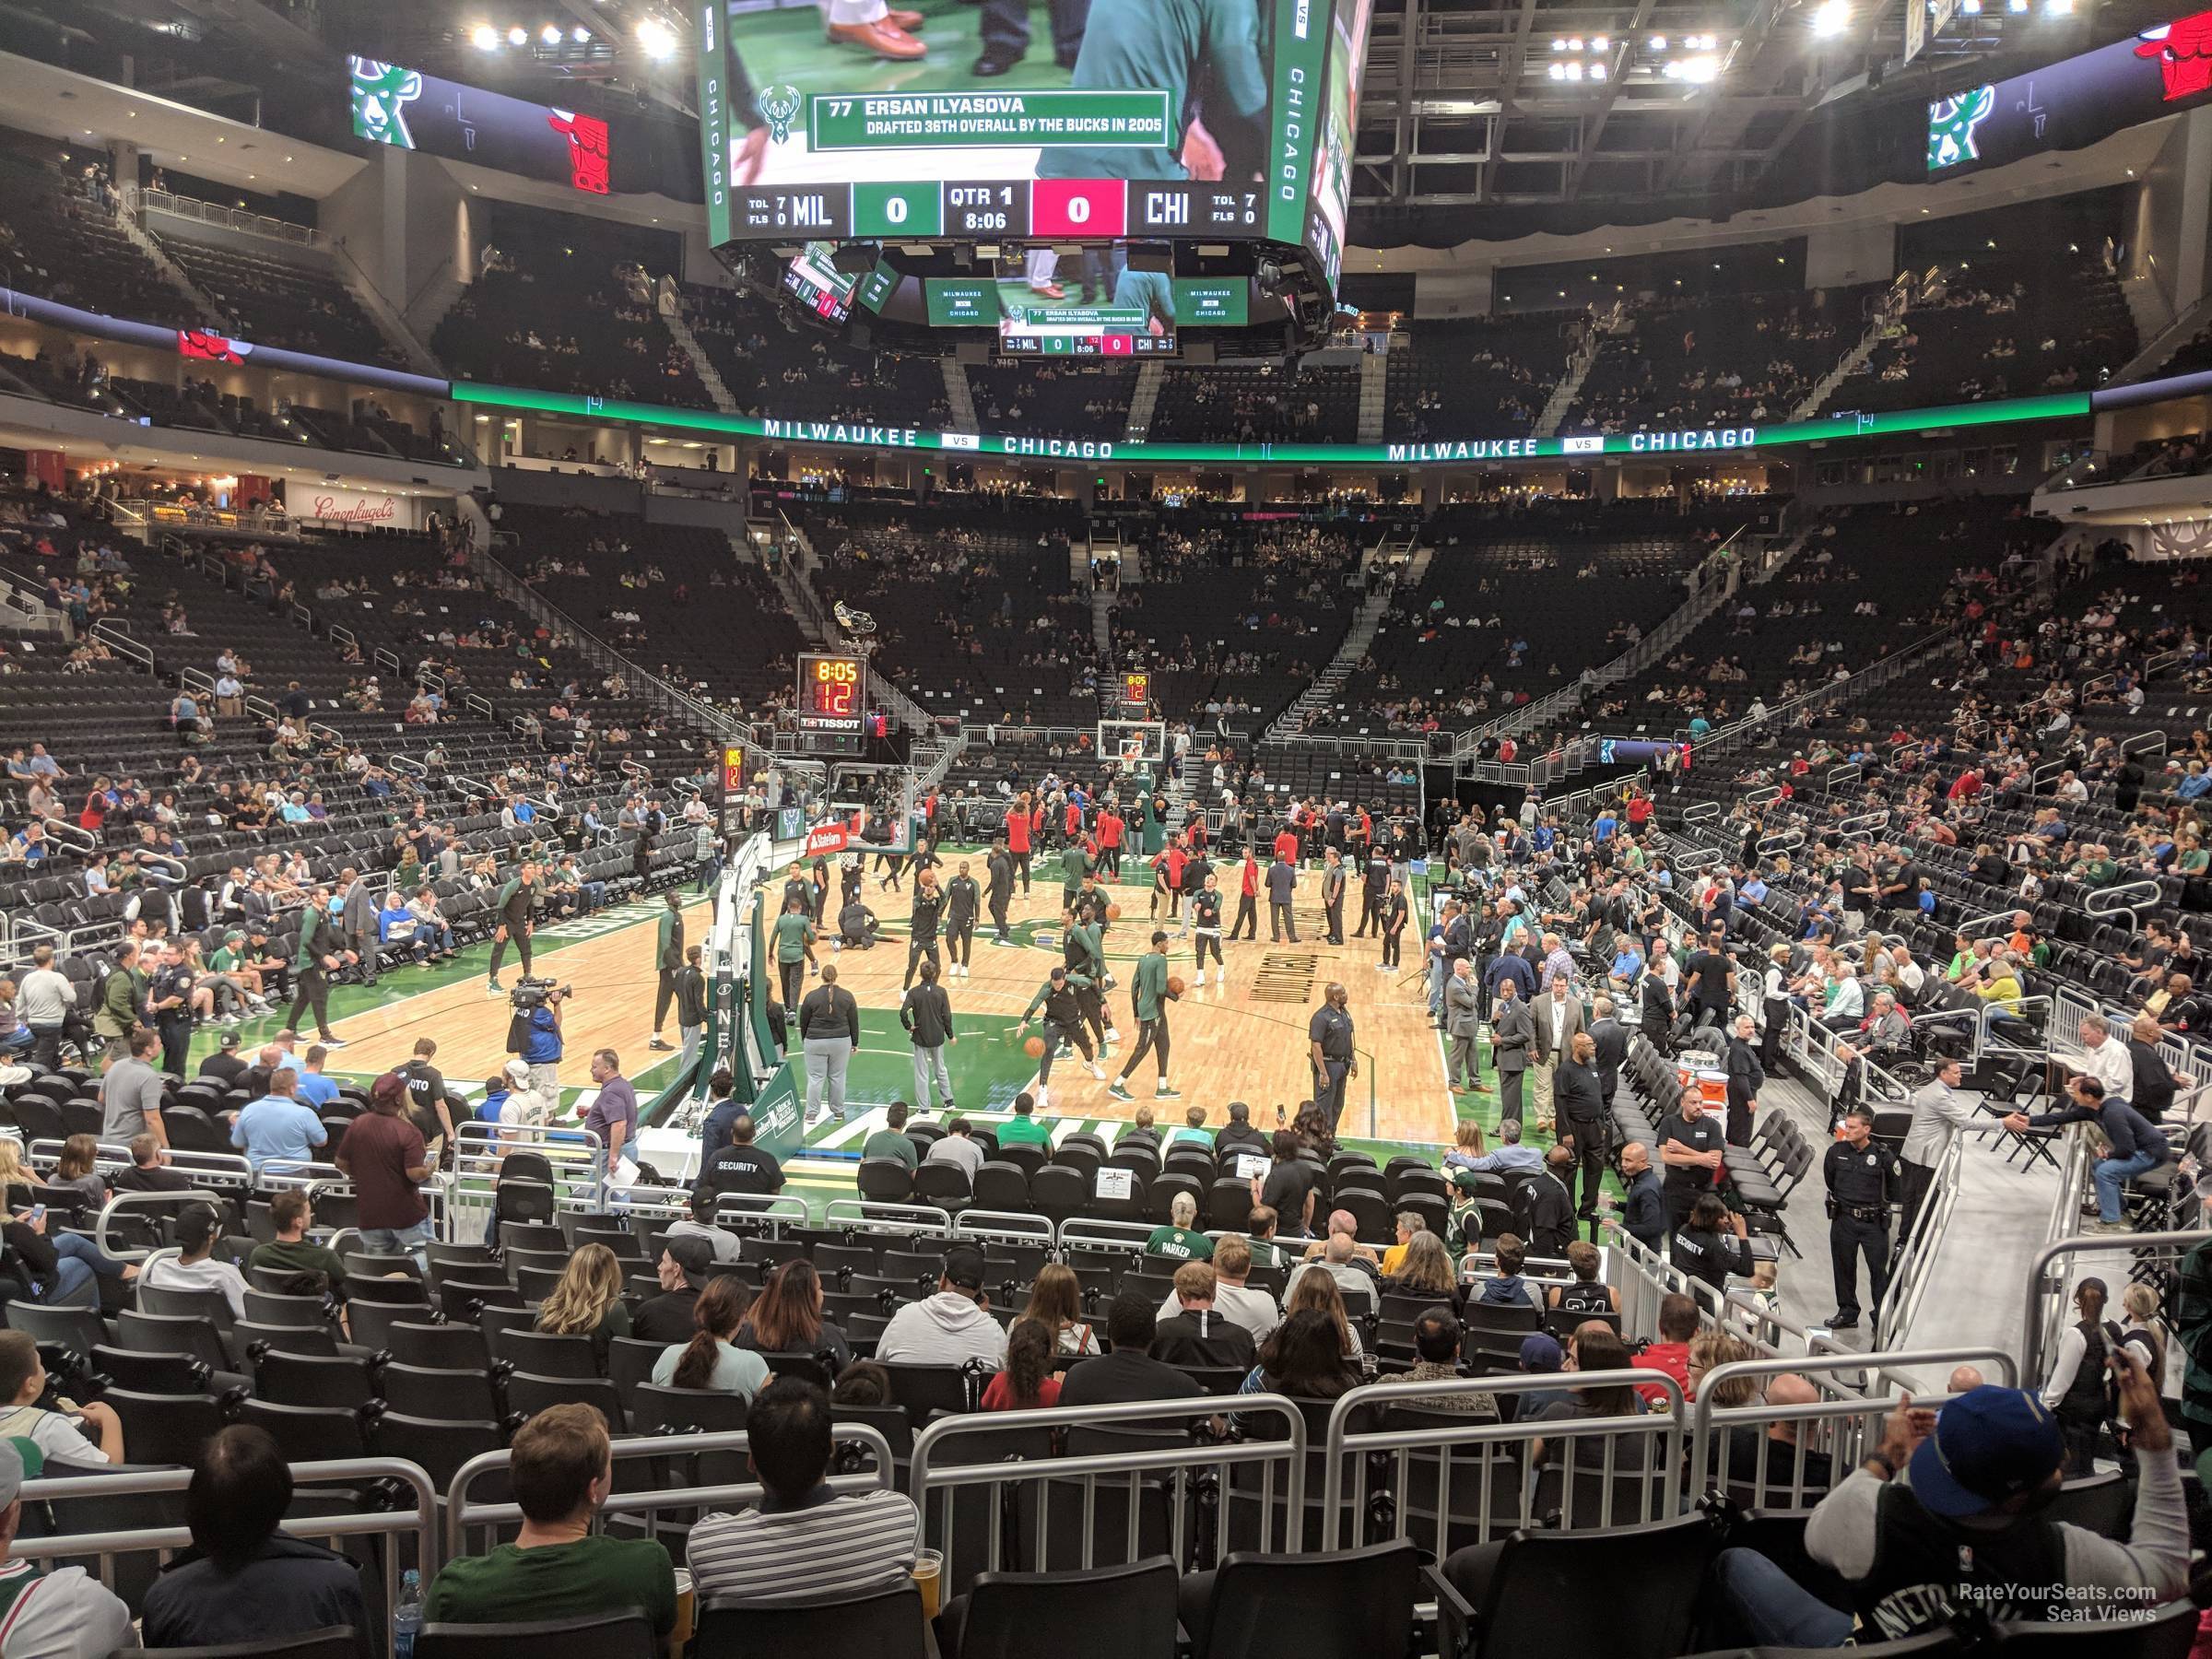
(406, 1618)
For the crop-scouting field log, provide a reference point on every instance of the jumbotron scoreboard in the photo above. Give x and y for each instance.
(1132, 143)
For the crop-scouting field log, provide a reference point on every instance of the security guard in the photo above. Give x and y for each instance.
(1333, 882)
(1861, 1179)
(1330, 1034)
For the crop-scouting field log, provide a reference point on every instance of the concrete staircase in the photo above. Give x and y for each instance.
(1145, 399)
(2156, 347)
(420, 359)
(2147, 302)
(1848, 365)
(426, 307)
(1102, 627)
(1375, 374)
(960, 396)
(1571, 383)
(171, 270)
(1321, 693)
(680, 331)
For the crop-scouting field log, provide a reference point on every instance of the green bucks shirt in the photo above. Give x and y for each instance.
(1180, 47)
(1023, 1132)
(793, 935)
(1181, 1245)
(1150, 991)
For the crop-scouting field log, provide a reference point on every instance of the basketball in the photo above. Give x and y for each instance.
(1113, 913)
(1175, 984)
(1034, 1048)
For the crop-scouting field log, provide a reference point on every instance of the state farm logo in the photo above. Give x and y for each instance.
(362, 510)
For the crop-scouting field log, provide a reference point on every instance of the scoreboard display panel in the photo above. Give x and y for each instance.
(832, 694)
(1122, 119)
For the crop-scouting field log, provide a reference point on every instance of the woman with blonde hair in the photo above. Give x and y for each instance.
(588, 1301)
(1056, 1303)
(1314, 1288)
(2140, 1303)
(1708, 1350)
(1425, 1271)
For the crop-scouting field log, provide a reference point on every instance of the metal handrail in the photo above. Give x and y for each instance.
(930, 1478)
(1346, 1446)
(2035, 1332)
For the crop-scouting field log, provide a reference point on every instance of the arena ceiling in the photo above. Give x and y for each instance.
(1476, 118)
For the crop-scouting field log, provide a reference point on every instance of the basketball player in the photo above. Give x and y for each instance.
(1205, 924)
(961, 897)
(1017, 838)
(1074, 868)
(1247, 925)
(1393, 923)
(796, 886)
(1149, 997)
(1167, 876)
(512, 908)
(921, 942)
(998, 871)
(1062, 1023)
(1083, 950)
(1373, 888)
(1111, 829)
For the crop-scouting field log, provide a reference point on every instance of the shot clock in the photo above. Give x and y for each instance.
(832, 694)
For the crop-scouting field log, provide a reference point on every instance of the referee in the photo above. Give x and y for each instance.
(1329, 1033)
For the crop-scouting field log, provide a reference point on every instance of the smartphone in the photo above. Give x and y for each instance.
(38, 1212)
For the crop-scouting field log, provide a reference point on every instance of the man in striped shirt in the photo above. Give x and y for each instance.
(804, 1545)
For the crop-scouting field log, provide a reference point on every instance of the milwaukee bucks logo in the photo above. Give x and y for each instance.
(779, 106)
(1951, 124)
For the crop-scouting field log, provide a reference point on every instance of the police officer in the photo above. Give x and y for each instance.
(961, 897)
(169, 998)
(1330, 1034)
(1861, 1178)
(998, 871)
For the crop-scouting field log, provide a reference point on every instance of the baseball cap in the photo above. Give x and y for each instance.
(694, 1255)
(1989, 1444)
(227, 1042)
(20, 1460)
(964, 1266)
(1540, 1352)
(517, 1071)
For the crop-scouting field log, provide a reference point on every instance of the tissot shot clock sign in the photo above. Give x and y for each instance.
(2076, 101)
(834, 695)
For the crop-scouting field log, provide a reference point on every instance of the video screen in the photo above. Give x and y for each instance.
(812, 278)
(2075, 102)
(392, 104)
(1097, 307)
(858, 120)
(1339, 135)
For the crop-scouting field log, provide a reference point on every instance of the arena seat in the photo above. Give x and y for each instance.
(625, 1635)
(888, 1623)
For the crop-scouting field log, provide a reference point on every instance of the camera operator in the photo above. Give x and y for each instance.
(536, 1039)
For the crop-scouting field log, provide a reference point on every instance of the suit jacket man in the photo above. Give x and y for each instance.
(1462, 1023)
(360, 925)
(1612, 1039)
(1512, 1037)
(1555, 1025)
